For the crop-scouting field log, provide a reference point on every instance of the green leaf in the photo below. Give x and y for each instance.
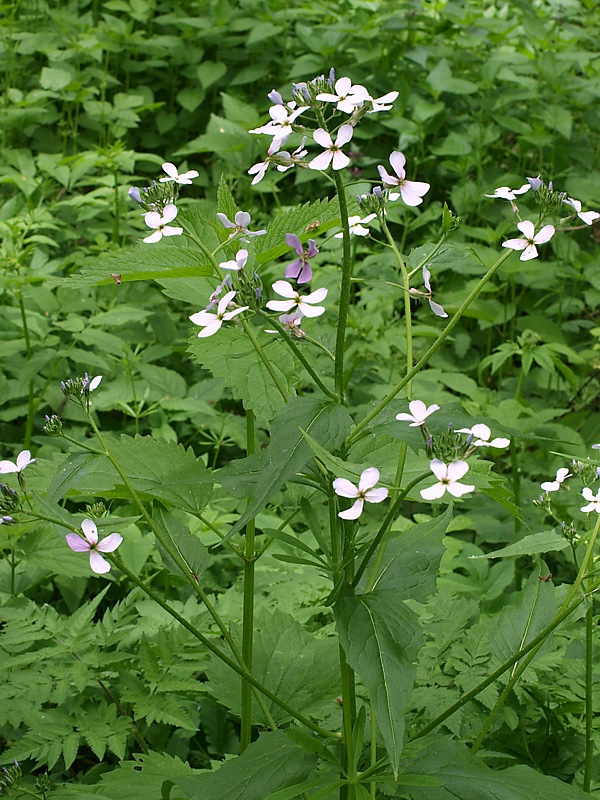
(271, 763)
(210, 72)
(141, 778)
(225, 201)
(542, 542)
(440, 79)
(231, 356)
(288, 451)
(183, 540)
(55, 79)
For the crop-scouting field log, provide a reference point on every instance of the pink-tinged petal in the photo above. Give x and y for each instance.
(110, 542)
(311, 311)
(7, 466)
(426, 277)
(545, 234)
(305, 274)
(23, 459)
(527, 228)
(354, 512)
(397, 160)
(203, 318)
(168, 230)
(457, 469)
(481, 431)
(516, 244)
(327, 97)
(412, 191)
(458, 489)
(340, 160)
(322, 161)
(230, 265)
(211, 329)
(293, 241)
(242, 219)
(225, 221)
(322, 137)
(231, 314)
(76, 543)
(154, 237)
(152, 219)
(386, 177)
(345, 133)
(312, 249)
(342, 86)
(90, 531)
(285, 289)
(98, 564)
(317, 296)
(433, 492)
(418, 409)
(528, 253)
(344, 488)
(407, 418)
(95, 382)
(224, 301)
(439, 469)
(171, 171)
(281, 305)
(368, 479)
(588, 216)
(376, 495)
(437, 309)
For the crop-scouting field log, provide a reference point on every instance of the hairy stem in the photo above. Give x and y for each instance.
(248, 607)
(266, 363)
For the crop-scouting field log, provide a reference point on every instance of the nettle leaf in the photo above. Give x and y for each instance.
(270, 764)
(230, 355)
(142, 778)
(157, 469)
(225, 201)
(288, 452)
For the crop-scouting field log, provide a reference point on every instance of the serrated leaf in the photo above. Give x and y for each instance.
(225, 201)
(141, 778)
(183, 541)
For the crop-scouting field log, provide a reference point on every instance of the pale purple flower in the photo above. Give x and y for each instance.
(238, 264)
(346, 96)
(561, 475)
(506, 193)
(306, 305)
(362, 493)
(212, 322)
(275, 97)
(586, 216)
(448, 476)
(593, 501)
(481, 434)
(134, 193)
(332, 149)
(528, 244)
(23, 460)
(357, 226)
(411, 191)
(173, 174)
(92, 545)
(418, 413)
(161, 223)
(292, 322)
(300, 269)
(535, 183)
(242, 220)
(6, 520)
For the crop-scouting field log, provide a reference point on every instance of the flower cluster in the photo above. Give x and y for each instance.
(79, 389)
(587, 472)
(158, 201)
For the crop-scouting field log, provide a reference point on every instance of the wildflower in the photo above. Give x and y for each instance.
(361, 493)
(586, 216)
(535, 183)
(505, 193)
(553, 486)
(437, 309)
(346, 96)
(281, 124)
(483, 433)
(448, 480)
(91, 544)
(593, 501)
(23, 460)
(383, 103)
(528, 244)
(135, 195)
(300, 269)
(242, 220)
(153, 219)
(304, 304)
(292, 322)
(90, 385)
(411, 191)
(275, 97)
(173, 174)
(238, 264)
(286, 160)
(356, 225)
(212, 322)
(418, 413)
(332, 149)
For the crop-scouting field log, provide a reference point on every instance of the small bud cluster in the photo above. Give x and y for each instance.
(449, 446)
(53, 425)
(374, 202)
(96, 510)
(545, 196)
(155, 197)
(9, 777)
(79, 389)
(9, 501)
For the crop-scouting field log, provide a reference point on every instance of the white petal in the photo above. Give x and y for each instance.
(354, 512)
(529, 253)
(439, 469)
(562, 474)
(587, 493)
(315, 297)
(551, 486)
(344, 135)
(8, 466)
(76, 543)
(433, 492)
(327, 97)
(90, 531)
(154, 237)
(311, 311)
(397, 160)
(171, 170)
(110, 542)
(456, 470)
(544, 235)
(527, 228)
(368, 479)
(340, 160)
(588, 216)
(458, 489)
(499, 442)
(281, 305)
(203, 318)
(225, 221)
(169, 213)
(321, 162)
(343, 86)
(481, 431)
(152, 219)
(385, 176)
(285, 289)
(95, 382)
(516, 244)
(412, 192)
(210, 329)
(323, 138)
(437, 309)
(344, 488)
(23, 459)
(169, 230)
(231, 314)
(418, 409)
(376, 495)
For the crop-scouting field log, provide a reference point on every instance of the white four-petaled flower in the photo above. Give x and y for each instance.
(506, 193)
(23, 460)
(92, 545)
(212, 322)
(528, 244)
(411, 191)
(238, 264)
(437, 309)
(448, 476)
(173, 174)
(593, 501)
(240, 224)
(362, 493)
(333, 152)
(585, 216)
(305, 304)
(482, 433)
(357, 226)
(553, 486)
(161, 223)
(346, 96)
(383, 103)
(280, 126)
(418, 413)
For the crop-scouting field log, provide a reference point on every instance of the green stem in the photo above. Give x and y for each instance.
(248, 606)
(589, 703)
(347, 790)
(190, 233)
(267, 364)
(345, 287)
(30, 397)
(407, 312)
(432, 350)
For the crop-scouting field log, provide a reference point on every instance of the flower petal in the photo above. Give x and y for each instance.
(345, 133)
(321, 162)
(354, 512)
(433, 492)
(90, 531)
(458, 489)
(368, 478)
(344, 488)
(545, 234)
(527, 228)
(285, 289)
(76, 543)
(210, 329)
(110, 542)
(323, 138)
(317, 296)
(376, 495)
(457, 469)
(439, 469)
(397, 160)
(98, 564)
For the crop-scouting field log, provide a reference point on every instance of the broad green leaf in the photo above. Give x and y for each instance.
(182, 540)
(288, 451)
(230, 355)
(141, 778)
(542, 542)
(225, 201)
(55, 78)
(441, 80)
(269, 764)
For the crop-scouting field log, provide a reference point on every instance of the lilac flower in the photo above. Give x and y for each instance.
(332, 149)
(242, 220)
(561, 475)
(173, 174)
(134, 193)
(295, 301)
(92, 545)
(275, 97)
(239, 263)
(586, 216)
(411, 191)
(300, 269)
(161, 224)
(346, 96)
(418, 413)
(593, 501)
(505, 193)
(362, 493)
(212, 322)
(448, 476)
(535, 183)
(286, 160)
(23, 460)
(356, 226)
(6, 520)
(528, 244)
(481, 434)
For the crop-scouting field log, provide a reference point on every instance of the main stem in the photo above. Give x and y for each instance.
(248, 609)
(345, 287)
